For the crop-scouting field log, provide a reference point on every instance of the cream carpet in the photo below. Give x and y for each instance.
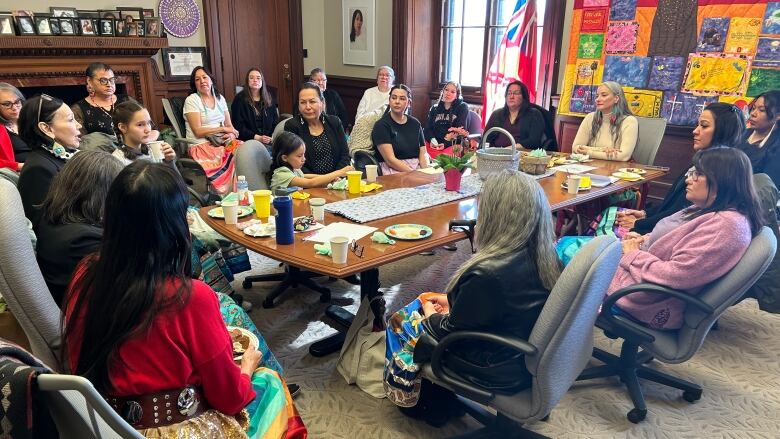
(738, 366)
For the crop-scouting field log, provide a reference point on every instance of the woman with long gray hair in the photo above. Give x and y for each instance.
(501, 289)
(610, 132)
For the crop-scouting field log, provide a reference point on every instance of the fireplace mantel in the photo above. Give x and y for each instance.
(60, 60)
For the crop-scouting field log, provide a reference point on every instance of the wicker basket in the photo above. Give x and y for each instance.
(494, 160)
(534, 165)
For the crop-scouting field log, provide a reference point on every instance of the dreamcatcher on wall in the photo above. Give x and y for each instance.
(181, 18)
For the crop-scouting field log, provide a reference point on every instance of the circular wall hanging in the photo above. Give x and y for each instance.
(181, 18)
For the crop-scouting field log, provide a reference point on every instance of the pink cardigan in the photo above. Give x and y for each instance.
(686, 257)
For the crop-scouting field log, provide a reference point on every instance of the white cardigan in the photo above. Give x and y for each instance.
(371, 100)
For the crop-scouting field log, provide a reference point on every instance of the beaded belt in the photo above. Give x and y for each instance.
(159, 409)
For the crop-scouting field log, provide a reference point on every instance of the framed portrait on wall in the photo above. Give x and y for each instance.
(359, 31)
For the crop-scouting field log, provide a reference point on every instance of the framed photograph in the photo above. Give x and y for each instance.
(359, 23)
(113, 15)
(141, 27)
(132, 28)
(178, 62)
(58, 11)
(134, 13)
(25, 25)
(67, 26)
(148, 13)
(22, 13)
(88, 14)
(54, 25)
(153, 27)
(106, 27)
(121, 28)
(7, 24)
(87, 26)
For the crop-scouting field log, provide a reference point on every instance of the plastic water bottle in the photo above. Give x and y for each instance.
(242, 187)
(284, 216)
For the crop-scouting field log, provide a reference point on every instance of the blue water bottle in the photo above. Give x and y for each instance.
(284, 216)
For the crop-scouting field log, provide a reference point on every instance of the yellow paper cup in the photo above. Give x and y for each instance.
(585, 181)
(262, 203)
(353, 181)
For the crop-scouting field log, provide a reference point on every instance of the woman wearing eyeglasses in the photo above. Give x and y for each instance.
(720, 124)
(375, 97)
(95, 111)
(50, 128)
(696, 245)
(13, 150)
(526, 124)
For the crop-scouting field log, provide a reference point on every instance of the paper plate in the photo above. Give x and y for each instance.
(408, 232)
(630, 176)
(252, 339)
(261, 230)
(242, 211)
(639, 171)
(580, 189)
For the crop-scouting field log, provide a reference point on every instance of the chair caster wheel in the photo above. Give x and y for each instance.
(246, 285)
(692, 395)
(636, 416)
(268, 303)
(325, 297)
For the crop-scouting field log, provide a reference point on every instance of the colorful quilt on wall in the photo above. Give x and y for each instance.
(667, 68)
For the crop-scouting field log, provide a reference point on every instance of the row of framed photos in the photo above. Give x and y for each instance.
(122, 22)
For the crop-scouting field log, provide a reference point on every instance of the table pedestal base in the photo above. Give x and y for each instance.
(291, 278)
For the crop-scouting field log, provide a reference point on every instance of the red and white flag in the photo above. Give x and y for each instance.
(515, 59)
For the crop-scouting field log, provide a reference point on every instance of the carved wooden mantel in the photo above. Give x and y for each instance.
(61, 60)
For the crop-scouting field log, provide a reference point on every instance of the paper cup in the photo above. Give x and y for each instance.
(155, 150)
(338, 249)
(585, 181)
(573, 184)
(353, 181)
(318, 209)
(262, 203)
(371, 173)
(230, 209)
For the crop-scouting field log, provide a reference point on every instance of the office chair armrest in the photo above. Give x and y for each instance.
(659, 289)
(181, 146)
(467, 389)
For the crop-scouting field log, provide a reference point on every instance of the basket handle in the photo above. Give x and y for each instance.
(515, 153)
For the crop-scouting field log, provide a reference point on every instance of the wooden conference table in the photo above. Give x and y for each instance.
(301, 254)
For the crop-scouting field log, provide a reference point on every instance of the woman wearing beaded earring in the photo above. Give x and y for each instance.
(94, 112)
(610, 132)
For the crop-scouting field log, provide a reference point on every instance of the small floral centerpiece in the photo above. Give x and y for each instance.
(535, 162)
(453, 166)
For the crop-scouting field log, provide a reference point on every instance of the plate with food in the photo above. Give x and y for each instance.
(241, 340)
(579, 189)
(261, 230)
(408, 232)
(217, 212)
(628, 176)
(306, 224)
(639, 171)
(579, 158)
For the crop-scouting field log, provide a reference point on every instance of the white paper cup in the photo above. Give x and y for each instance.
(155, 150)
(230, 209)
(317, 209)
(338, 249)
(371, 173)
(573, 184)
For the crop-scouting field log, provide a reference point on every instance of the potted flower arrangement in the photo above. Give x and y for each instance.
(454, 136)
(453, 165)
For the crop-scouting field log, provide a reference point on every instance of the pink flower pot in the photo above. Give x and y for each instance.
(452, 180)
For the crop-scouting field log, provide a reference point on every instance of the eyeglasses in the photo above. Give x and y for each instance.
(40, 104)
(106, 81)
(8, 104)
(356, 248)
(694, 174)
(514, 93)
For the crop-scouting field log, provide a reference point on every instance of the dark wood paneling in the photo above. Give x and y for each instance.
(676, 150)
(351, 90)
(414, 40)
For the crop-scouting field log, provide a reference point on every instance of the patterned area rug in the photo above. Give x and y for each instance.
(738, 366)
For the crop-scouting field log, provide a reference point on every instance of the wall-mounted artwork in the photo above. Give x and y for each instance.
(359, 30)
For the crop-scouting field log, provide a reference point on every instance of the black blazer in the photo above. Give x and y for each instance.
(243, 117)
(336, 135)
(34, 181)
(765, 160)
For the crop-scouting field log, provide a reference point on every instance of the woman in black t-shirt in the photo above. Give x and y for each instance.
(398, 137)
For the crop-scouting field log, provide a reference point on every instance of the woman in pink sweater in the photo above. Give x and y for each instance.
(696, 245)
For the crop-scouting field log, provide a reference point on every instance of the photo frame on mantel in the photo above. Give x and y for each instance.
(359, 30)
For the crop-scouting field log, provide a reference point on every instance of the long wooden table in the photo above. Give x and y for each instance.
(301, 254)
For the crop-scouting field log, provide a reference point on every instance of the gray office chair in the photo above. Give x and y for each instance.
(651, 132)
(280, 126)
(79, 411)
(674, 346)
(21, 281)
(556, 352)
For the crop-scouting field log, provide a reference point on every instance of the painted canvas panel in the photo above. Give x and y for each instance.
(588, 72)
(666, 73)
(767, 52)
(595, 3)
(714, 31)
(743, 35)
(621, 37)
(622, 10)
(594, 20)
(645, 103)
(590, 46)
(683, 108)
(583, 99)
(763, 79)
(628, 71)
(771, 22)
(721, 74)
